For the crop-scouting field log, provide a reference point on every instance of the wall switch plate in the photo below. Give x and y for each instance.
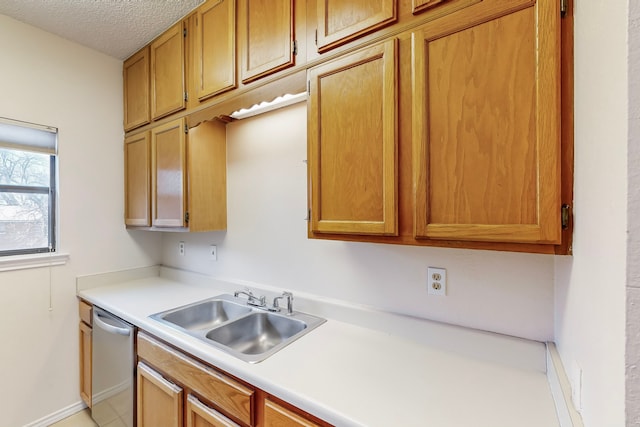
(181, 248)
(213, 253)
(437, 281)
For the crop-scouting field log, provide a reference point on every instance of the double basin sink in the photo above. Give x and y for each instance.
(249, 333)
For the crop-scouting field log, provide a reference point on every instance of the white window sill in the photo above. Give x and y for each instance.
(21, 262)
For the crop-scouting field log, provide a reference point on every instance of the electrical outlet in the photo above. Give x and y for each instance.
(213, 252)
(181, 248)
(437, 281)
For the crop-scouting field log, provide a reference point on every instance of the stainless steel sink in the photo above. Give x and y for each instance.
(204, 314)
(249, 333)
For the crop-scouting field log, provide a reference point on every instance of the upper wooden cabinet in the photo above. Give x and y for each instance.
(340, 21)
(481, 158)
(136, 90)
(266, 36)
(352, 139)
(215, 50)
(168, 85)
(188, 176)
(486, 127)
(137, 201)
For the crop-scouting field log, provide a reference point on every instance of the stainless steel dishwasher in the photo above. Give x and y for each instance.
(112, 366)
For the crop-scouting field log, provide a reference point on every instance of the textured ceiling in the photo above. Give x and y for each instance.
(115, 27)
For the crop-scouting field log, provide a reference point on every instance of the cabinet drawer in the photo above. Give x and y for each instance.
(85, 311)
(224, 392)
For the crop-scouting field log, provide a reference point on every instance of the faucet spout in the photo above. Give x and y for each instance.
(252, 299)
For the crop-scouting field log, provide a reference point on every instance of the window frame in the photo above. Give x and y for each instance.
(50, 191)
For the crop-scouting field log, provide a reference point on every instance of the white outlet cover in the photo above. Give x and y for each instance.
(437, 281)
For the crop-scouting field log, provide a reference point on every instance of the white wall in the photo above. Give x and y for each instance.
(266, 243)
(48, 80)
(633, 245)
(590, 286)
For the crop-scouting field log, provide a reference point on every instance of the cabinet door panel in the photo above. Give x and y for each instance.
(136, 90)
(159, 401)
(340, 21)
(276, 415)
(267, 37)
(85, 363)
(200, 415)
(486, 129)
(167, 72)
(352, 143)
(137, 183)
(168, 174)
(216, 48)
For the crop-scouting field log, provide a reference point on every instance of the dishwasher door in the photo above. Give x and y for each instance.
(112, 366)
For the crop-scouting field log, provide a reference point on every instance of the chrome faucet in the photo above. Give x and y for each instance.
(289, 298)
(252, 299)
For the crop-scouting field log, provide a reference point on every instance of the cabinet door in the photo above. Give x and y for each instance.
(276, 415)
(266, 37)
(159, 401)
(85, 363)
(168, 174)
(352, 139)
(215, 48)
(167, 72)
(340, 21)
(135, 76)
(137, 202)
(486, 126)
(200, 415)
(207, 169)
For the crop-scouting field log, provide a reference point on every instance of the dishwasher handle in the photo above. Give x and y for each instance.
(99, 322)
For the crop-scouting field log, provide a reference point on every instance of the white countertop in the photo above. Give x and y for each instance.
(351, 375)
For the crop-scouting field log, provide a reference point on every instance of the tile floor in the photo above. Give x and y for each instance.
(81, 419)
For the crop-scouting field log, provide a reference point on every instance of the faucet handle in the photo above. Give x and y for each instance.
(289, 298)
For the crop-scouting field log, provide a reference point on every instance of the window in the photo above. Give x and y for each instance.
(27, 188)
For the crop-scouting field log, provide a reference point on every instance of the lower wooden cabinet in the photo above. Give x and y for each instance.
(159, 401)
(276, 415)
(85, 345)
(174, 388)
(200, 415)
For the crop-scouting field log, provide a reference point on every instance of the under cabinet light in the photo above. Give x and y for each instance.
(263, 107)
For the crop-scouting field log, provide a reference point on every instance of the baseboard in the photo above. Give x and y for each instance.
(58, 415)
(561, 389)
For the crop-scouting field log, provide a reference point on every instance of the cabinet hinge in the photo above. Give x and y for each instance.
(186, 129)
(186, 217)
(184, 32)
(565, 216)
(316, 37)
(294, 47)
(564, 6)
(186, 96)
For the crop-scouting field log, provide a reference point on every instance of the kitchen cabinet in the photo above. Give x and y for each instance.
(85, 333)
(188, 176)
(352, 157)
(136, 90)
(277, 415)
(480, 155)
(486, 127)
(137, 157)
(227, 395)
(200, 415)
(215, 41)
(168, 84)
(159, 401)
(340, 21)
(210, 397)
(266, 36)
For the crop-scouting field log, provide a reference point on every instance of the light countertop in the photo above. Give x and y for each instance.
(352, 375)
